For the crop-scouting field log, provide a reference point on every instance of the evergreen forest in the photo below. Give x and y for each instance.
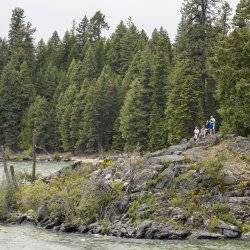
(85, 93)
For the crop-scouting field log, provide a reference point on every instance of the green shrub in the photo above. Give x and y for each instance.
(149, 200)
(220, 209)
(68, 189)
(26, 176)
(95, 198)
(7, 200)
(132, 211)
(31, 196)
(177, 200)
(213, 224)
(105, 163)
(246, 228)
(105, 226)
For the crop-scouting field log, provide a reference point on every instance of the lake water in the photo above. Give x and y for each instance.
(31, 238)
(43, 168)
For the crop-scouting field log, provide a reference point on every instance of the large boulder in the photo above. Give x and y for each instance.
(42, 212)
(54, 223)
(83, 229)
(169, 174)
(165, 159)
(229, 230)
(172, 150)
(209, 140)
(155, 230)
(142, 229)
(245, 236)
(95, 228)
(204, 235)
(68, 228)
(240, 145)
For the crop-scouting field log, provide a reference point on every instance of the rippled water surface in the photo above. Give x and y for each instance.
(43, 168)
(31, 238)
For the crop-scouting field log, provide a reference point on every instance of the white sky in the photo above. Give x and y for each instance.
(50, 15)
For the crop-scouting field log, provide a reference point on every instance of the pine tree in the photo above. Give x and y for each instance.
(123, 45)
(77, 116)
(36, 121)
(53, 54)
(97, 24)
(195, 40)
(68, 50)
(132, 72)
(82, 32)
(100, 113)
(223, 22)
(89, 65)
(49, 82)
(134, 118)
(21, 37)
(64, 110)
(4, 53)
(114, 53)
(184, 109)
(161, 66)
(231, 68)
(10, 107)
(241, 18)
(26, 90)
(16, 94)
(100, 55)
(17, 29)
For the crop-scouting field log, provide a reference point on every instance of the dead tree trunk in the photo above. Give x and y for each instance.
(12, 172)
(6, 171)
(34, 158)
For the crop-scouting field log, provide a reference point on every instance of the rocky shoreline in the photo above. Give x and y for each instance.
(172, 194)
(146, 230)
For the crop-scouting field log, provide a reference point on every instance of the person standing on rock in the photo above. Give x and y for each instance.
(196, 133)
(203, 132)
(212, 124)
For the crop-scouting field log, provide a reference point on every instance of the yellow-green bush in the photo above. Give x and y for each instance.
(246, 228)
(105, 163)
(68, 188)
(213, 224)
(95, 198)
(7, 200)
(132, 211)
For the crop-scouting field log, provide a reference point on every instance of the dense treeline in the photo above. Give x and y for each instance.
(86, 93)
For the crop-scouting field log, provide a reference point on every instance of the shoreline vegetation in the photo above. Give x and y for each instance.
(192, 190)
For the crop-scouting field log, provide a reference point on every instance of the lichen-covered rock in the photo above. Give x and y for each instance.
(68, 228)
(240, 145)
(229, 230)
(42, 212)
(245, 236)
(165, 158)
(83, 229)
(142, 229)
(204, 235)
(54, 223)
(95, 228)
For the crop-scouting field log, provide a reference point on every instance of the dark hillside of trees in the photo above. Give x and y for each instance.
(87, 93)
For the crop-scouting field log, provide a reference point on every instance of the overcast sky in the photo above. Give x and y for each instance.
(50, 15)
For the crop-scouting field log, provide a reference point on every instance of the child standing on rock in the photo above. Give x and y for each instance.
(196, 133)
